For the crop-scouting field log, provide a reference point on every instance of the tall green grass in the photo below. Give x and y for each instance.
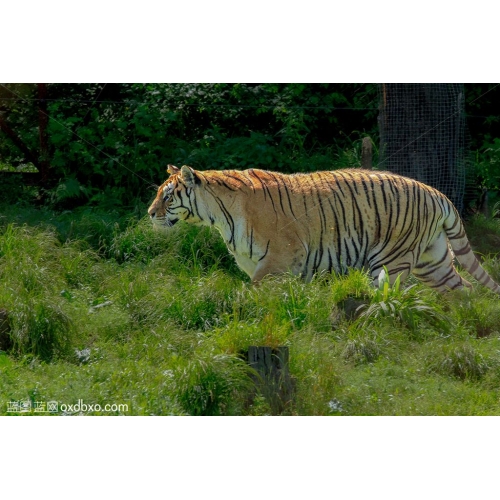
(105, 309)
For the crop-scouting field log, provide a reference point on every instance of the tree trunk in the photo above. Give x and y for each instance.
(43, 121)
(422, 135)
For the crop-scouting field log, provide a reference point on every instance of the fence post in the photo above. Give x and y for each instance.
(366, 153)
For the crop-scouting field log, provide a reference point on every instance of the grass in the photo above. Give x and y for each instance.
(103, 309)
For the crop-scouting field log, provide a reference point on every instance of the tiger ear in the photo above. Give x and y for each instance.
(172, 169)
(189, 176)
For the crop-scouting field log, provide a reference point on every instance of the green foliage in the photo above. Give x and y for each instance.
(484, 234)
(197, 249)
(476, 312)
(211, 384)
(483, 112)
(355, 283)
(68, 189)
(109, 143)
(15, 191)
(362, 347)
(40, 324)
(107, 310)
(315, 364)
(40, 327)
(462, 361)
(411, 307)
(487, 166)
(104, 308)
(138, 242)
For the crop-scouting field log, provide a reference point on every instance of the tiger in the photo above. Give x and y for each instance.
(308, 223)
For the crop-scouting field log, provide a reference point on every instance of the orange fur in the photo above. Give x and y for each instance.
(307, 223)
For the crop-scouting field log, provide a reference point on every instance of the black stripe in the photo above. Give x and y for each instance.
(307, 263)
(278, 186)
(229, 219)
(247, 176)
(315, 264)
(267, 249)
(196, 206)
(253, 174)
(367, 193)
(288, 196)
(445, 278)
(482, 275)
(474, 266)
(355, 204)
(239, 179)
(434, 266)
(337, 227)
(463, 251)
(227, 186)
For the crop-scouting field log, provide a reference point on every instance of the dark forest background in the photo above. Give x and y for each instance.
(109, 144)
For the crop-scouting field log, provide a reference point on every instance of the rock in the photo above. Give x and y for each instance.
(346, 309)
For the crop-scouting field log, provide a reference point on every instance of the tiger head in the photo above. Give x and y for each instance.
(174, 200)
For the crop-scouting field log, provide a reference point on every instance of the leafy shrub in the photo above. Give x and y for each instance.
(476, 311)
(185, 248)
(138, 242)
(32, 263)
(363, 348)
(355, 284)
(409, 306)
(211, 384)
(462, 362)
(109, 143)
(41, 328)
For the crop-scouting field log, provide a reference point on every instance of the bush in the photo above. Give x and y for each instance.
(32, 263)
(40, 328)
(363, 348)
(212, 384)
(462, 362)
(411, 307)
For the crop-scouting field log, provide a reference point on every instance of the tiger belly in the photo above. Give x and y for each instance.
(246, 264)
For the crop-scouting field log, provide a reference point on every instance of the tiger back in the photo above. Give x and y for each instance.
(324, 221)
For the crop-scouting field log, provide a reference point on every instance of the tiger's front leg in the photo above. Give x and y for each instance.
(271, 266)
(277, 260)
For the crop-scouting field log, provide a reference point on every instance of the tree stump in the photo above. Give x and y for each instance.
(273, 378)
(347, 309)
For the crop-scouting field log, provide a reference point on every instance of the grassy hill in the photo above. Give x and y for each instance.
(99, 310)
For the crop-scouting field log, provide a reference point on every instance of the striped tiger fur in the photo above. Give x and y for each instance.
(307, 223)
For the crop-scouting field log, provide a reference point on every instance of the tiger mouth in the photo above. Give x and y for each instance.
(164, 222)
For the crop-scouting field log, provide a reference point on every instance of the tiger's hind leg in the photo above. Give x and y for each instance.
(435, 267)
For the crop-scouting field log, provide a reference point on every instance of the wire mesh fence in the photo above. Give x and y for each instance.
(423, 135)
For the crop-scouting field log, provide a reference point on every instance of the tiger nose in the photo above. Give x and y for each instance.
(152, 214)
